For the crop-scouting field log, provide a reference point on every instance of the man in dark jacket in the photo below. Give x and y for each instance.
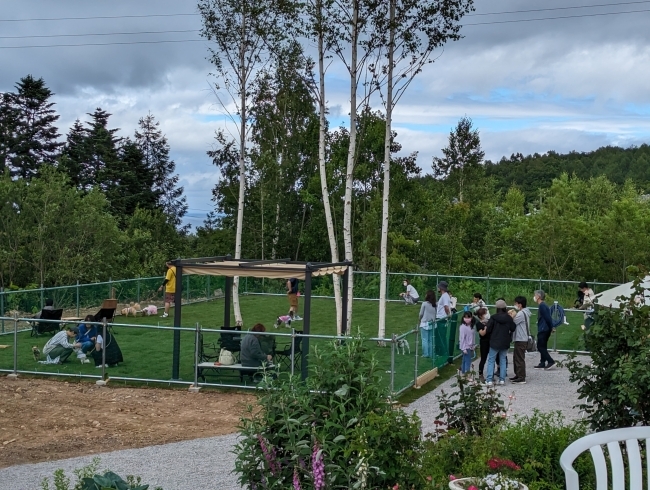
(500, 328)
(544, 331)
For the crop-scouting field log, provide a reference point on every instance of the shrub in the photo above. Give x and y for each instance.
(88, 479)
(534, 444)
(615, 386)
(471, 408)
(336, 430)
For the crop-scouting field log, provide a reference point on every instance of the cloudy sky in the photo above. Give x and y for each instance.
(577, 81)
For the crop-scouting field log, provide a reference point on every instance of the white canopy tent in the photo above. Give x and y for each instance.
(608, 298)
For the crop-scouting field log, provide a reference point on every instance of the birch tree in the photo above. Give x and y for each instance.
(412, 30)
(244, 33)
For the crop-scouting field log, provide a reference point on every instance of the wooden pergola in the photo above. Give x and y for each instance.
(270, 269)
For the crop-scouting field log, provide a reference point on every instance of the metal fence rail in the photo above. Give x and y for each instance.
(399, 356)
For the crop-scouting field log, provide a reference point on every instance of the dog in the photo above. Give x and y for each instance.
(36, 353)
(150, 310)
(404, 345)
(129, 310)
(284, 319)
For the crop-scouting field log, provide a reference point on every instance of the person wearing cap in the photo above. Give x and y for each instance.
(60, 346)
(444, 300)
(500, 328)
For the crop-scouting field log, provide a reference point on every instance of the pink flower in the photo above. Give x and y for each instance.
(452, 478)
(396, 486)
(472, 487)
(429, 478)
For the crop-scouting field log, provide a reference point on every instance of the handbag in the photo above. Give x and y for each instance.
(531, 346)
(226, 358)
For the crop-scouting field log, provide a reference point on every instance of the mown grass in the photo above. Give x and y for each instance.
(148, 352)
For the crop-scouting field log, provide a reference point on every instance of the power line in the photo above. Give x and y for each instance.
(515, 21)
(99, 34)
(555, 18)
(43, 19)
(97, 17)
(101, 44)
(559, 8)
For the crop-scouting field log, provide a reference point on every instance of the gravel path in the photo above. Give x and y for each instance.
(207, 463)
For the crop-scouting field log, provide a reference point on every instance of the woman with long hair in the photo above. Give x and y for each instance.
(427, 319)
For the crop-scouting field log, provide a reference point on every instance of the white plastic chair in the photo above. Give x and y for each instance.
(611, 438)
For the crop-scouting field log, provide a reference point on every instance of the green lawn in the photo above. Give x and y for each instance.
(148, 352)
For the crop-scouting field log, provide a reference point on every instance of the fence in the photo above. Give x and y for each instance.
(399, 357)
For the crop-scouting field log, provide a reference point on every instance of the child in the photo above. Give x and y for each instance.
(467, 341)
(286, 319)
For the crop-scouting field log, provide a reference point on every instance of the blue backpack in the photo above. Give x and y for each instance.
(557, 314)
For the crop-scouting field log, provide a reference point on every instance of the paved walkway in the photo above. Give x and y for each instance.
(207, 463)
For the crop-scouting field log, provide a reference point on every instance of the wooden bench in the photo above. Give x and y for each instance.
(237, 368)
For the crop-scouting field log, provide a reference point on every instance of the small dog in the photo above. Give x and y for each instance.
(284, 319)
(36, 353)
(150, 310)
(404, 345)
(129, 310)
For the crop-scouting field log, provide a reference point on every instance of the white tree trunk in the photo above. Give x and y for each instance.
(349, 174)
(383, 274)
(323, 179)
(242, 173)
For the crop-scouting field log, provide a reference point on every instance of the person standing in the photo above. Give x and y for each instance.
(292, 294)
(522, 323)
(466, 342)
(500, 329)
(544, 331)
(483, 316)
(444, 301)
(427, 320)
(170, 287)
(410, 296)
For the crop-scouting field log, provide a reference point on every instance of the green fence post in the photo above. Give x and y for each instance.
(208, 294)
(540, 283)
(138, 288)
(2, 307)
(42, 296)
(77, 297)
(110, 284)
(487, 292)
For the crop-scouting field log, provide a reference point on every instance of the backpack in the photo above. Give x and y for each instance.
(557, 314)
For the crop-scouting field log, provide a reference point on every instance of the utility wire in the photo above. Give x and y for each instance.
(559, 8)
(42, 19)
(98, 17)
(99, 34)
(555, 18)
(604, 14)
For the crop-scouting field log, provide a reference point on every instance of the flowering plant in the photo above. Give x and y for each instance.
(497, 481)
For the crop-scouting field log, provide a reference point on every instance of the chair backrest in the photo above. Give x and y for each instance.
(611, 438)
(230, 341)
(297, 342)
(108, 313)
(109, 303)
(51, 314)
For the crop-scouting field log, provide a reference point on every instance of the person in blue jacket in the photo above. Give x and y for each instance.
(87, 335)
(544, 331)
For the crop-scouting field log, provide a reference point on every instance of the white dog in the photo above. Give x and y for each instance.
(404, 345)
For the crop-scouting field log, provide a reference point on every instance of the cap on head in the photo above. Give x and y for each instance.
(501, 304)
(442, 285)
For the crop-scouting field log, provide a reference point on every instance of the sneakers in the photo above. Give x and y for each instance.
(297, 317)
(540, 366)
(100, 366)
(502, 382)
(519, 381)
(549, 367)
(164, 315)
(489, 384)
(513, 378)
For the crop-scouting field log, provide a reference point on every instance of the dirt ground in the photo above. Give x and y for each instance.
(44, 420)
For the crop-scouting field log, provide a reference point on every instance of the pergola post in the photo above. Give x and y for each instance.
(306, 324)
(227, 295)
(178, 298)
(344, 308)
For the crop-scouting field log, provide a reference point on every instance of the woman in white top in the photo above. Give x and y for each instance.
(411, 295)
(427, 319)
